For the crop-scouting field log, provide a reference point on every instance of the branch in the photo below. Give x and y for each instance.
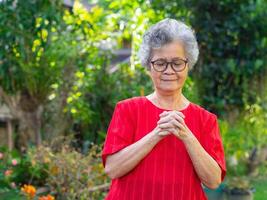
(102, 187)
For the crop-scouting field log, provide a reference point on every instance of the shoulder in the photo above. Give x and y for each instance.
(202, 113)
(206, 119)
(130, 108)
(132, 102)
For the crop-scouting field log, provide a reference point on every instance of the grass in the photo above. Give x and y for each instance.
(261, 188)
(11, 196)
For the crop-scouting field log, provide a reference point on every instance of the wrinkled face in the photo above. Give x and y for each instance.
(169, 81)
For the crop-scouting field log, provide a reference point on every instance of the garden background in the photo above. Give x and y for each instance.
(65, 64)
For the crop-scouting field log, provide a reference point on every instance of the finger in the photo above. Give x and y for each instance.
(173, 115)
(164, 119)
(173, 124)
(169, 123)
(163, 113)
(176, 123)
(179, 113)
(178, 118)
(166, 125)
(181, 127)
(174, 131)
(182, 122)
(164, 133)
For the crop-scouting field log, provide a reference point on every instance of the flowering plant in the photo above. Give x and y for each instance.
(16, 170)
(71, 174)
(8, 164)
(30, 192)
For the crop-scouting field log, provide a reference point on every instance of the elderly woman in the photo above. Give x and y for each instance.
(162, 146)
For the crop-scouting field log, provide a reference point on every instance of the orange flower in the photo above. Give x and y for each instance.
(48, 197)
(29, 190)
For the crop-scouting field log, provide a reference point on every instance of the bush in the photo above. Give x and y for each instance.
(17, 169)
(233, 43)
(244, 139)
(71, 175)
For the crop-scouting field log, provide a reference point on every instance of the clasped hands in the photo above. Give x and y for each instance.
(172, 122)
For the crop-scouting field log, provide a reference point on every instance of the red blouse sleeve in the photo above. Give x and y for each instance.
(212, 142)
(120, 131)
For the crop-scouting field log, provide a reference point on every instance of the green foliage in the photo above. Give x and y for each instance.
(232, 36)
(173, 9)
(92, 104)
(243, 136)
(6, 169)
(27, 59)
(260, 186)
(17, 169)
(36, 51)
(11, 195)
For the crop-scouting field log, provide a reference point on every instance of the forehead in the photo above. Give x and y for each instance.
(171, 50)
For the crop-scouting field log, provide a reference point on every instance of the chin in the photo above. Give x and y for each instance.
(169, 89)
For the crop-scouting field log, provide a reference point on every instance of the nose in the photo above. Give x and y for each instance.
(169, 69)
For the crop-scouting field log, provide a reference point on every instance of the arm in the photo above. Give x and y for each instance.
(205, 166)
(123, 161)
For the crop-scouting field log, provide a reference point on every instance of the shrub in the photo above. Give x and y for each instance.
(244, 139)
(71, 175)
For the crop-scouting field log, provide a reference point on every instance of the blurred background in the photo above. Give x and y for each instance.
(64, 64)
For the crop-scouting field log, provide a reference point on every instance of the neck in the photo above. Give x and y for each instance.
(172, 101)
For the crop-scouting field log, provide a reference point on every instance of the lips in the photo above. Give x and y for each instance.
(169, 79)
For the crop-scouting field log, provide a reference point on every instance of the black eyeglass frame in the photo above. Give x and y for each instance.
(171, 63)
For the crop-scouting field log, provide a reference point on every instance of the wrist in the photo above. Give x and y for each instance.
(189, 138)
(155, 134)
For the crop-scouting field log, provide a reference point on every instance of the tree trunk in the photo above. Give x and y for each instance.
(9, 135)
(27, 111)
(59, 121)
(29, 130)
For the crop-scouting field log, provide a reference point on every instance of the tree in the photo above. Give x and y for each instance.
(27, 61)
(233, 44)
(43, 46)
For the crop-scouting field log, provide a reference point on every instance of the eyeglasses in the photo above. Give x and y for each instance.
(178, 64)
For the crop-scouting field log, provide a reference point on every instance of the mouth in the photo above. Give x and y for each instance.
(169, 79)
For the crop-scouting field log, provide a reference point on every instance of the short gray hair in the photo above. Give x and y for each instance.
(165, 32)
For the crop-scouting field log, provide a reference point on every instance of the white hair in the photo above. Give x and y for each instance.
(165, 32)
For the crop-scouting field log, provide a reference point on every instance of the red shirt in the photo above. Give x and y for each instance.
(166, 173)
